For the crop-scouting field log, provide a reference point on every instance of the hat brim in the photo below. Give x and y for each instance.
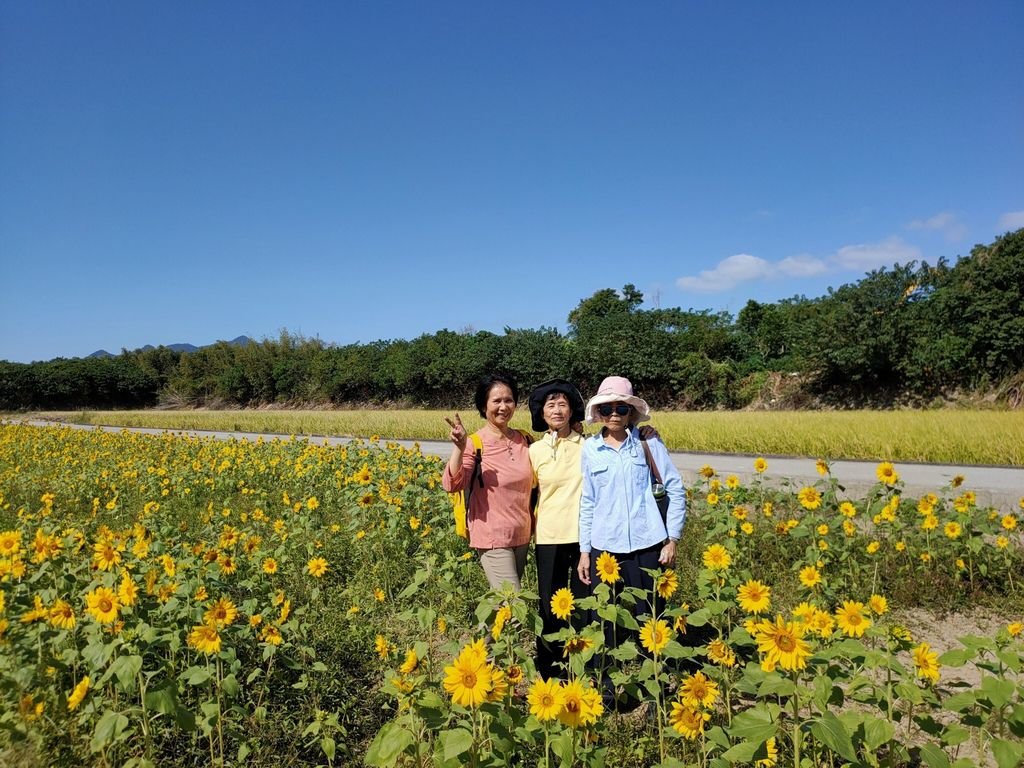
(540, 395)
(640, 407)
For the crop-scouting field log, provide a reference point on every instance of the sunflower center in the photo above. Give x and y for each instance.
(469, 679)
(786, 643)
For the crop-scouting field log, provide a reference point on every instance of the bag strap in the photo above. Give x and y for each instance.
(651, 464)
(477, 474)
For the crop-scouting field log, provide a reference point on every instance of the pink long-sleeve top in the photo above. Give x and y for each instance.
(499, 513)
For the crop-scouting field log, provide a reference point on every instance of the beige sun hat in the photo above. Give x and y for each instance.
(617, 389)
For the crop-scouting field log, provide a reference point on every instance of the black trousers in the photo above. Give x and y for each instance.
(631, 565)
(556, 569)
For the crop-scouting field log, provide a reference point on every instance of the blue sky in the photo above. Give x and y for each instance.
(183, 172)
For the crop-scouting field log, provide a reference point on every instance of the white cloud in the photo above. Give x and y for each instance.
(1011, 220)
(743, 267)
(946, 222)
(727, 273)
(868, 256)
(803, 265)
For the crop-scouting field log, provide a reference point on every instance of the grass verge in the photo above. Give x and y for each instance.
(954, 437)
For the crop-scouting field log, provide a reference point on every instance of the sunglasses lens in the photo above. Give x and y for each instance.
(607, 409)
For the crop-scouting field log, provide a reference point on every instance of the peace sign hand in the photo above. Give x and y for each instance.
(458, 432)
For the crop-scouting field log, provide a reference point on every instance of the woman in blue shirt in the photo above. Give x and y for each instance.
(618, 511)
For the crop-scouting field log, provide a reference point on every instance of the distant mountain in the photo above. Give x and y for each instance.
(238, 341)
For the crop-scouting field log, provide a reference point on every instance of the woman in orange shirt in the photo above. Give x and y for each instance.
(498, 517)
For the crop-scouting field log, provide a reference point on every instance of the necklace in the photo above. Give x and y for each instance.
(508, 443)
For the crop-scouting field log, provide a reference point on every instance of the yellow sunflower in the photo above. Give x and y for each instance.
(760, 465)
(810, 576)
(698, 691)
(573, 704)
(952, 530)
(754, 597)
(499, 685)
(221, 614)
(410, 663)
(720, 653)
(102, 604)
(547, 699)
(716, 557)
(688, 722)
(271, 635)
(782, 644)
(77, 695)
(809, 497)
(654, 635)
(316, 567)
(667, 584)
(62, 615)
(878, 604)
(926, 661)
(851, 619)
(821, 623)
(383, 647)
(105, 555)
(887, 474)
(577, 644)
(270, 566)
(10, 543)
(771, 755)
(204, 638)
(468, 679)
(127, 590)
(608, 568)
(500, 618)
(562, 603)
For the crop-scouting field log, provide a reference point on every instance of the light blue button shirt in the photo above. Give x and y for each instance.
(618, 512)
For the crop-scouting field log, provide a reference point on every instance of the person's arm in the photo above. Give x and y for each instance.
(454, 478)
(586, 519)
(676, 499)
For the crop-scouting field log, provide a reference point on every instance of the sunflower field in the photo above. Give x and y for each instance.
(167, 600)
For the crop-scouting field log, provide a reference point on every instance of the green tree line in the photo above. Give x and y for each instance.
(906, 334)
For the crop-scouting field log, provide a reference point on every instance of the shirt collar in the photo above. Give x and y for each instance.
(551, 438)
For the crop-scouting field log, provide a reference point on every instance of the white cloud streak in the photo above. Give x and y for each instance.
(729, 272)
(946, 222)
(1011, 220)
(744, 267)
(893, 250)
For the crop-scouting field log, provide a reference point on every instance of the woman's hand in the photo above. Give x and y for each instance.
(668, 553)
(458, 432)
(648, 432)
(583, 568)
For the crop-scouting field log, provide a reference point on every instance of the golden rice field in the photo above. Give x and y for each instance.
(939, 436)
(180, 601)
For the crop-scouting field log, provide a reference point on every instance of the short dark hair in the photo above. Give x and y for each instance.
(483, 389)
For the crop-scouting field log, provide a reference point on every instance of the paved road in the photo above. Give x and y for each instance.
(1001, 487)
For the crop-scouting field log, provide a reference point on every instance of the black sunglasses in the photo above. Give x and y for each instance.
(607, 409)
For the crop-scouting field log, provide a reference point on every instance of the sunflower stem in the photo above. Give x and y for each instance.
(796, 723)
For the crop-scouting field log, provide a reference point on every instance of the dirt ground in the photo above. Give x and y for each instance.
(942, 633)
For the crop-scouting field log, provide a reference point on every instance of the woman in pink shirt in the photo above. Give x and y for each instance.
(499, 516)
